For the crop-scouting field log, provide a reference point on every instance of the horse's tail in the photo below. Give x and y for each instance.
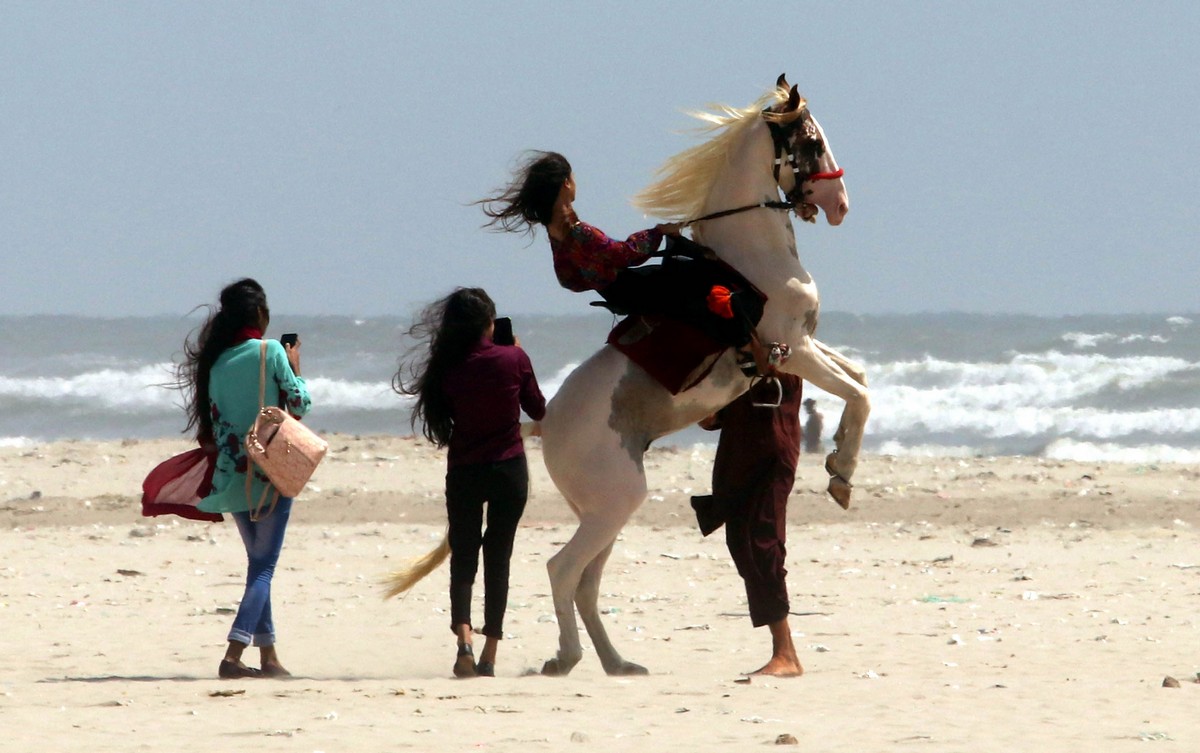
(404, 579)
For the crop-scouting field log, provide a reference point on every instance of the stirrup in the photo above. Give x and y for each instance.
(778, 399)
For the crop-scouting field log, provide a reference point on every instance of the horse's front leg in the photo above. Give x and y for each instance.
(831, 371)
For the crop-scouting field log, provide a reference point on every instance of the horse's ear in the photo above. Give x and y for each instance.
(781, 82)
(793, 100)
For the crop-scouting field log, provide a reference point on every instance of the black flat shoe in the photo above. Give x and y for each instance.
(485, 669)
(464, 665)
(235, 670)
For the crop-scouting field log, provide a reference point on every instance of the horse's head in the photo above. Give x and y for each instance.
(814, 180)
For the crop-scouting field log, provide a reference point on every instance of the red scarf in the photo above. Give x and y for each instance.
(246, 333)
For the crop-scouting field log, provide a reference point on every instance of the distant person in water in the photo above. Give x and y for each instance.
(814, 428)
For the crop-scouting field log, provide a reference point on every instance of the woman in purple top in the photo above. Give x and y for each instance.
(470, 393)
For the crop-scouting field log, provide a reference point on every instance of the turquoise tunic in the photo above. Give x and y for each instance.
(233, 400)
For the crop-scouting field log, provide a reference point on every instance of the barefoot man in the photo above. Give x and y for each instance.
(753, 474)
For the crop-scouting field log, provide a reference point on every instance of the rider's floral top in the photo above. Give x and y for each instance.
(588, 259)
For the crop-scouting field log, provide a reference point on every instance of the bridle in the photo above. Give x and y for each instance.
(783, 135)
(787, 151)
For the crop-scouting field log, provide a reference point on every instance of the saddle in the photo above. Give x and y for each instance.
(675, 329)
(676, 355)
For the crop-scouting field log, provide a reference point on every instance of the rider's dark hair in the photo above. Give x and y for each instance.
(445, 331)
(243, 304)
(529, 198)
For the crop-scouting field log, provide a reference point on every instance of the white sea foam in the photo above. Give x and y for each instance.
(339, 394)
(1069, 449)
(143, 389)
(133, 390)
(892, 447)
(1026, 396)
(551, 386)
(1084, 340)
(940, 384)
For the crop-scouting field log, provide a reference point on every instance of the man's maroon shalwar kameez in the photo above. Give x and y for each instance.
(753, 474)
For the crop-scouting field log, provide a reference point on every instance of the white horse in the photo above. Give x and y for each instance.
(599, 424)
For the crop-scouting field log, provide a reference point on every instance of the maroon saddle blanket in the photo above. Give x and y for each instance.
(677, 355)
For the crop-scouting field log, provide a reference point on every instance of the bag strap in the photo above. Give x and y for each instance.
(262, 387)
(256, 513)
(262, 374)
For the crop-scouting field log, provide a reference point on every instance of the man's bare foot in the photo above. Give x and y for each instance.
(780, 666)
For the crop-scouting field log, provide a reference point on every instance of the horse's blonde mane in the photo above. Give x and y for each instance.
(685, 179)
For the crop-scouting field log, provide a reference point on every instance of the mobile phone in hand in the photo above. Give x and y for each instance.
(291, 338)
(503, 333)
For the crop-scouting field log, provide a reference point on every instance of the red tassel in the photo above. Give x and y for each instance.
(720, 302)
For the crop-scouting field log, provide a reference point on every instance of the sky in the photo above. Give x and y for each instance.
(1014, 157)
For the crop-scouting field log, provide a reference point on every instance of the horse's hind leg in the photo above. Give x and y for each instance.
(587, 599)
(586, 552)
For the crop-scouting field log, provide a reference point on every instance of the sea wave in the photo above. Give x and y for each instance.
(147, 389)
(1070, 449)
(139, 389)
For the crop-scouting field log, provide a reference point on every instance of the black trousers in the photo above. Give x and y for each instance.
(504, 487)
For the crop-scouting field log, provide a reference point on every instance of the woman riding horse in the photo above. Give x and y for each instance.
(542, 192)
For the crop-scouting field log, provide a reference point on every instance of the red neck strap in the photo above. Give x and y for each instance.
(827, 176)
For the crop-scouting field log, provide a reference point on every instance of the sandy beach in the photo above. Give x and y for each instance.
(981, 604)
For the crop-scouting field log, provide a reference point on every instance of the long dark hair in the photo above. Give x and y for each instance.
(242, 303)
(445, 331)
(529, 198)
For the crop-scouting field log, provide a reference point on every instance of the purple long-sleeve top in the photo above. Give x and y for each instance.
(487, 393)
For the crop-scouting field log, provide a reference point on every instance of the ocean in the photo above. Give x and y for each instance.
(1120, 387)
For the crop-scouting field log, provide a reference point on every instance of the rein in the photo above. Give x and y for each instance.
(780, 135)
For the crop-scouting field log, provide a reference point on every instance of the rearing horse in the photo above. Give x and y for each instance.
(599, 424)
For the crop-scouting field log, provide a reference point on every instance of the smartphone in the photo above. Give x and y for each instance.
(503, 334)
(291, 338)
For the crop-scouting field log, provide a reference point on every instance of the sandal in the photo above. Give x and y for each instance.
(235, 670)
(485, 669)
(464, 665)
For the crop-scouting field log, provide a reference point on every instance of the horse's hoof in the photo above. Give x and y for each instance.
(627, 668)
(552, 668)
(839, 489)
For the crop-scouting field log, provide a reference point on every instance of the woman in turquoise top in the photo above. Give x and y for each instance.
(221, 371)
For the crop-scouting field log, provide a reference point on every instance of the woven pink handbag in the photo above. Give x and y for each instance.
(284, 449)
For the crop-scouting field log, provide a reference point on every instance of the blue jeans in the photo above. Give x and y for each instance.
(264, 540)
